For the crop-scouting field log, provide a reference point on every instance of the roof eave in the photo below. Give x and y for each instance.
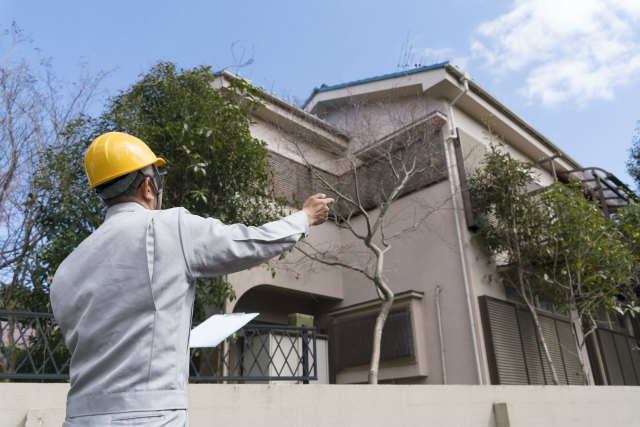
(300, 113)
(373, 79)
(493, 101)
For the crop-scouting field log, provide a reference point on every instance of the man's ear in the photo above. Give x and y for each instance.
(145, 190)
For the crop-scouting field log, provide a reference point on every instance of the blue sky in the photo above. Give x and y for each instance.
(571, 68)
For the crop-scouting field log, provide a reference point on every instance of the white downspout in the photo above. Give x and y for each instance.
(454, 134)
(225, 346)
(442, 352)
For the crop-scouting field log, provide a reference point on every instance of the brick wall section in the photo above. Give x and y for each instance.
(295, 182)
(292, 180)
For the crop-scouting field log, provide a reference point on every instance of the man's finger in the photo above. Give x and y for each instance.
(329, 201)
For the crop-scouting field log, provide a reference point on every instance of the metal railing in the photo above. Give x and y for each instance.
(257, 354)
(32, 349)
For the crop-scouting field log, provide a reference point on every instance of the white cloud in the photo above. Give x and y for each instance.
(439, 53)
(570, 49)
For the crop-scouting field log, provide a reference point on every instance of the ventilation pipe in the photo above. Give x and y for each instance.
(463, 262)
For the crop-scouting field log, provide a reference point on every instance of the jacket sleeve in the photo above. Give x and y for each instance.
(212, 248)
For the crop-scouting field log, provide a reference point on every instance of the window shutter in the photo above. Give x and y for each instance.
(352, 339)
(553, 345)
(621, 359)
(569, 352)
(514, 351)
(634, 349)
(470, 154)
(531, 347)
(624, 355)
(509, 363)
(618, 358)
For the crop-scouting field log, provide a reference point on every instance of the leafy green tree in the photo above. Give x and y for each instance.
(215, 167)
(71, 214)
(585, 264)
(633, 164)
(554, 243)
(627, 220)
(510, 227)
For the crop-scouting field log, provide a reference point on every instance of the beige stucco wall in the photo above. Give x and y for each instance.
(293, 145)
(293, 274)
(476, 127)
(422, 260)
(370, 121)
(348, 405)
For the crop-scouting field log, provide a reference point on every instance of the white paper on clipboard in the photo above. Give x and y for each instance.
(216, 328)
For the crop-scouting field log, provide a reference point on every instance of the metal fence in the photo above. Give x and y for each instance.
(32, 349)
(259, 353)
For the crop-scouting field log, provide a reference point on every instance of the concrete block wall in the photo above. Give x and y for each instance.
(34, 404)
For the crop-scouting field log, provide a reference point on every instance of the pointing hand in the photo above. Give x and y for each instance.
(317, 208)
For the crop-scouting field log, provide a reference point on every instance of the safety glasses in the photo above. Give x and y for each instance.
(158, 178)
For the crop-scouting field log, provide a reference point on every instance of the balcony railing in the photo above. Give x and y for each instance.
(32, 349)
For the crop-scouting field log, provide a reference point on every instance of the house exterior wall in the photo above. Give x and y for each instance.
(424, 260)
(411, 264)
(281, 140)
(294, 275)
(367, 120)
(477, 128)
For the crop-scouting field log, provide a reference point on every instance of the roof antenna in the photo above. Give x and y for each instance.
(406, 55)
(238, 52)
(407, 60)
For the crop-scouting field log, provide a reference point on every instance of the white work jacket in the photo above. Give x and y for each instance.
(124, 299)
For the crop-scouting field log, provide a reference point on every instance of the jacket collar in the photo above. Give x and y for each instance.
(124, 207)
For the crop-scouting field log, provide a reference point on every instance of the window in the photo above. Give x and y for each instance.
(403, 347)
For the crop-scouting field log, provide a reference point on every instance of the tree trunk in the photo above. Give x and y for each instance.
(579, 346)
(543, 342)
(13, 351)
(377, 337)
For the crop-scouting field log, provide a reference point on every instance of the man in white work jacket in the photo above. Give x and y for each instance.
(124, 297)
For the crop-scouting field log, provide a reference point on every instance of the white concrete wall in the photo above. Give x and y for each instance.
(353, 405)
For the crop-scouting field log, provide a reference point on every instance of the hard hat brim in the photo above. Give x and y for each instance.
(158, 162)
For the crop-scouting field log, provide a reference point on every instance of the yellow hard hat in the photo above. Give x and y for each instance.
(116, 154)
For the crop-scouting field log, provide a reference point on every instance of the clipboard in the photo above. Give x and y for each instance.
(216, 328)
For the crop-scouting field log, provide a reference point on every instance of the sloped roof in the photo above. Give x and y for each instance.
(327, 88)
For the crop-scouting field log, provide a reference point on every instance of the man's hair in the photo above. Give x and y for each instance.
(109, 191)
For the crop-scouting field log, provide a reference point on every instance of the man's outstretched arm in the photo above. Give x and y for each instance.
(213, 248)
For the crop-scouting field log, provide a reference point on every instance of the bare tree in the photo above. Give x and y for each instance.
(35, 110)
(389, 149)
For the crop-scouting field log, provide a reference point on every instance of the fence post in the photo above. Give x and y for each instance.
(305, 356)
